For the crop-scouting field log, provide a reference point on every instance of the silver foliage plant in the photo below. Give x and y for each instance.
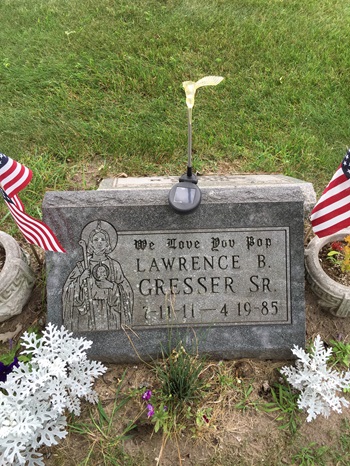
(319, 386)
(36, 394)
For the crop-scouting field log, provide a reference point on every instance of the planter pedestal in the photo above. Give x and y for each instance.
(16, 278)
(333, 296)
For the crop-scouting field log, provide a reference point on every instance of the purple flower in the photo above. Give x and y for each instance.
(150, 410)
(147, 395)
(5, 369)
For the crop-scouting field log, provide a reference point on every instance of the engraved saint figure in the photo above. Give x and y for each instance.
(96, 295)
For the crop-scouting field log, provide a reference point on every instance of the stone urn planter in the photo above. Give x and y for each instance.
(333, 296)
(16, 278)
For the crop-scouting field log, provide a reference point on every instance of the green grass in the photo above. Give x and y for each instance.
(285, 405)
(313, 454)
(85, 82)
(105, 442)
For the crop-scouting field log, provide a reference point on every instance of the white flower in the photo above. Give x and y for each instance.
(38, 393)
(319, 386)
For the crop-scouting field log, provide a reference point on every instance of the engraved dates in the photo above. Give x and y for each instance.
(208, 277)
(190, 313)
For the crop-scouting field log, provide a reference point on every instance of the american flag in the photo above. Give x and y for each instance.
(332, 212)
(13, 176)
(34, 231)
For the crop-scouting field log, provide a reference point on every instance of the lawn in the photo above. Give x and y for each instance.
(99, 84)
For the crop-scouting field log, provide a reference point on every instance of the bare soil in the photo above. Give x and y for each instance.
(233, 436)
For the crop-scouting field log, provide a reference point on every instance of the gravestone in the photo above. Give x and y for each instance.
(227, 278)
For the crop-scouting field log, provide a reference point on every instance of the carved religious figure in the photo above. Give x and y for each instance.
(97, 295)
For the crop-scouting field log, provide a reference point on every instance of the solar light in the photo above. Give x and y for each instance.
(185, 196)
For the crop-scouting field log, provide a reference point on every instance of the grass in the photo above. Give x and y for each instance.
(100, 84)
(179, 374)
(313, 454)
(340, 354)
(176, 404)
(105, 442)
(285, 404)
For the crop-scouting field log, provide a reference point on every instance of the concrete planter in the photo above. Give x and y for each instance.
(16, 278)
(333, 296)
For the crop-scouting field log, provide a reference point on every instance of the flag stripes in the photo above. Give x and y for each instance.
(13, 176)
(332, 212)
(35, 231)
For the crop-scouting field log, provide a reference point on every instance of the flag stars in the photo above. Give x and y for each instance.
(5, 196)
(346, 165)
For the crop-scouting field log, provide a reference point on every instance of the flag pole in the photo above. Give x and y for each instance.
(189, 144)
(36, 255)
(308, 233)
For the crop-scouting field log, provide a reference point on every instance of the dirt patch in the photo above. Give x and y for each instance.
(244, 435)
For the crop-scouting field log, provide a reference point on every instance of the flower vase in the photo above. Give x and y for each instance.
(333, 296)
(16, 278)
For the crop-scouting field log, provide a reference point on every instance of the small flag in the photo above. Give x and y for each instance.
(13, 176)
(332, 212)
(34, 231)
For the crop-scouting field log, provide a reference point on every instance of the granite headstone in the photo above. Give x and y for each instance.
(227, 278)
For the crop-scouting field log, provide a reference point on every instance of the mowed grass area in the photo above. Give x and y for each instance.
(86, 82)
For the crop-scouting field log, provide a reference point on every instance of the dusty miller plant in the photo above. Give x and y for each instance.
(35, 395)
(319, 386)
